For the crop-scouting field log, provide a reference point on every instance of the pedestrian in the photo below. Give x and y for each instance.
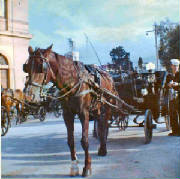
(173, 87)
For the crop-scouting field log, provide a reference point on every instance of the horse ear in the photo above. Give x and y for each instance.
(50, 47)
(30, 50)
(48, 50)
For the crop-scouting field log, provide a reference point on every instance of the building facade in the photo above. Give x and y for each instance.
(14, 42)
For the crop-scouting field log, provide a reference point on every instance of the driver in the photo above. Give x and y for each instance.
(173, 85)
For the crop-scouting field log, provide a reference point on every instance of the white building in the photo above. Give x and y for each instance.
(14, 42)
(72, 53)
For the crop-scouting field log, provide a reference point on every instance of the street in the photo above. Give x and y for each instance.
(37, 149)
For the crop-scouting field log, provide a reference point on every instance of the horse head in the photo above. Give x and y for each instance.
(39, 69)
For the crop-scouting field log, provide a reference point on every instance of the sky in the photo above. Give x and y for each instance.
(107, 23)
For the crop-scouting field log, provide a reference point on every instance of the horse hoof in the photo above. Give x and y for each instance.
(102, 152)
(74, 168)
(86, 172)
(73, 174)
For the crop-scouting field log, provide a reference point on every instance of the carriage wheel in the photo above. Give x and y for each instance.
(21, 117)
(148, 126)
(42, 113)
(4, 122)
(58, 111)
(123, 122)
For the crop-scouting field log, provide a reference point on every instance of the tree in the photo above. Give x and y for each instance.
(140, 63)
(169, 42)
(121, 58)
(118, 54)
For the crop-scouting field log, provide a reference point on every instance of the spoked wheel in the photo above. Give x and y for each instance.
(148, 126)
(5, 121)
(123, 122)
(21, 115)
(58, 111)
(21, 118)
(42, 113)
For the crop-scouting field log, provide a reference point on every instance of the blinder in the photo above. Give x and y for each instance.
(41, 68)
(38, 68)
(25, 68)
(44, 67)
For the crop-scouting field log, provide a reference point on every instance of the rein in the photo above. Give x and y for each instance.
(19, 101)
(78, 85)
(67, 93)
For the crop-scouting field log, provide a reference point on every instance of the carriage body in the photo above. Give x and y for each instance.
(145, 92)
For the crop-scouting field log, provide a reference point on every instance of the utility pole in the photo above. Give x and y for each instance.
(155, 30)
(156, 46)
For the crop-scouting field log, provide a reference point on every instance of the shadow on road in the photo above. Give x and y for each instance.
(37, 176)
(52, 150)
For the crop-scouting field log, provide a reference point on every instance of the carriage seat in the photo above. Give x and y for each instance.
(93, 70)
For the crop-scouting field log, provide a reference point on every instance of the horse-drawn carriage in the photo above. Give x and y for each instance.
(19, 107)
(83, 95)
(51, 102)
(145, 92)
(5, 121)
(15, 105)
(10, 107)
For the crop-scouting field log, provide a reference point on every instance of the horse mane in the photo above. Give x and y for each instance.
(70, 72)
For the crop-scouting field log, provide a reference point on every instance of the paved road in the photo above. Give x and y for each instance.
(39, 150)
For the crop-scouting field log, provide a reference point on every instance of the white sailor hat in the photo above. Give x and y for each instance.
(175, 62)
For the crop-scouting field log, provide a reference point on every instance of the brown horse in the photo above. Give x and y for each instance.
(13, 98)
(79, 95)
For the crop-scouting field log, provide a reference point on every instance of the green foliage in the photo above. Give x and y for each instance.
(120, 58)
(118, 54)
(169, 42)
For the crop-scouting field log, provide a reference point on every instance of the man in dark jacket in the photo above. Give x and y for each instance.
(173, 87)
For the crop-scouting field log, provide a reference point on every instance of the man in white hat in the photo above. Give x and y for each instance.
(173, 87)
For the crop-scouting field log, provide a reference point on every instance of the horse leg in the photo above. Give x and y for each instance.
(84, 117)
(103, 129)
(95, 129)
(8, 108)
(18, 120)
(69, 122)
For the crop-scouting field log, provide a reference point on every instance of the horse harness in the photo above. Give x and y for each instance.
(83, 78)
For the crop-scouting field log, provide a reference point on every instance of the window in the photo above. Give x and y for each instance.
(3, 71)
(3, 8)
(2, 60)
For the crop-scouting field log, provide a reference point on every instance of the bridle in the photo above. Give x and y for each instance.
(43, 68)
